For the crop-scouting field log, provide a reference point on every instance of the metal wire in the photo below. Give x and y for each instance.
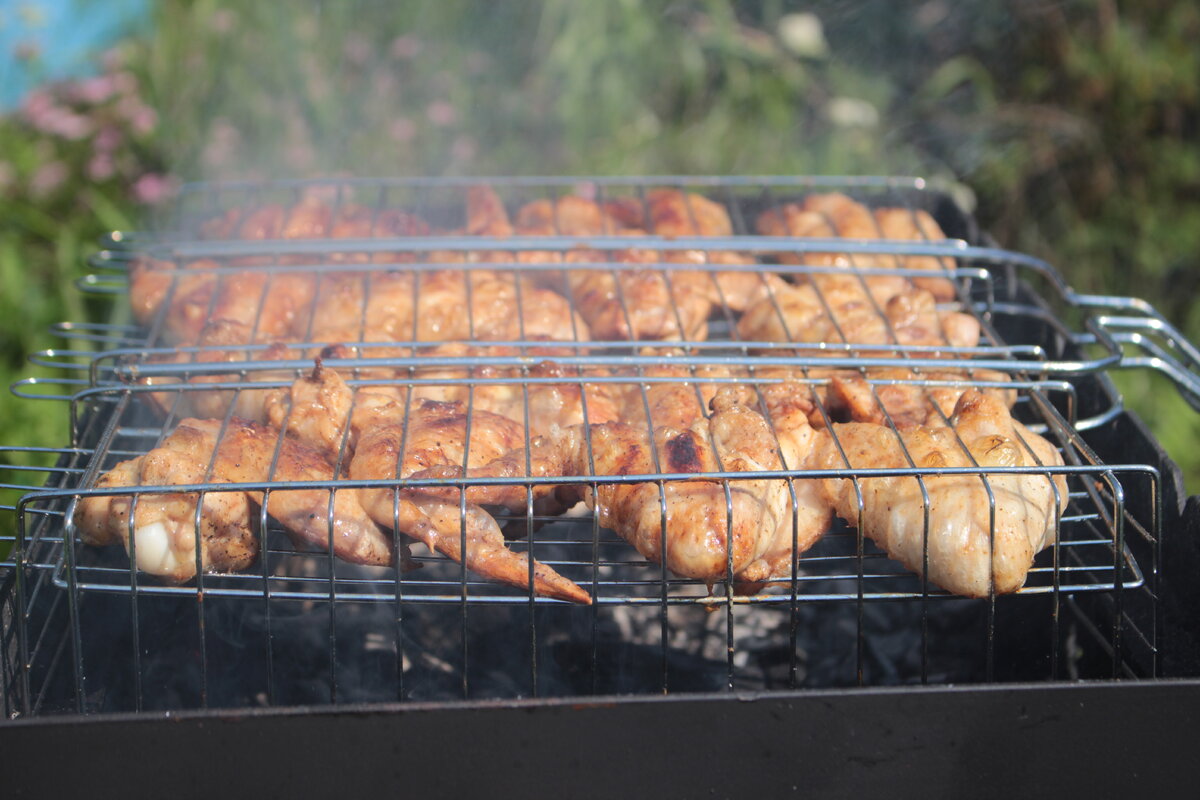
(94, 571)
(113, 374)
(147, 360)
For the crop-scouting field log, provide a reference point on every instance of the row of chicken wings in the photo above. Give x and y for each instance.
(610, 295)
(722, 473)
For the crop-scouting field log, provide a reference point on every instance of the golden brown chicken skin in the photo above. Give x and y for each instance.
(159, 530)
(966, 553)
(431, 434)
(643, 302)
(545, 395)
(670, 394)
(834, 215)
(249, 452)
(845, 309)
(219, 342)
(918, 226)
(441, 305)
(271, 302)
(673, 213)
(621, 302)
(385, 437)
(693, 537)
(524, 395)
(906, 398)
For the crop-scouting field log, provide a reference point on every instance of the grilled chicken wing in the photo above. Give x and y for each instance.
(836, 215)
(918, 225)
(375, 307)
(905, 397)
(509, 392)
(164, 537)
(792, 220)
(389, 317)
(851, 220)
(359, 222)
(249, 452)
(674, 214)
(152, 281)
(847, 309)
(640, 302)
(675, 396)
(693, 536)
(246, 453)
(635, 302)
(436, 435)
(509, 307)
(442, 305)
(267, 305)
(390, 439)
(219, 342)
(643, 303)
(270, 304)
(897, 396)
(966, 554)
(486, 216)
(523, 395)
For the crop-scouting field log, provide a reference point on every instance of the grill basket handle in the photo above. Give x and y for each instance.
(1149, 341)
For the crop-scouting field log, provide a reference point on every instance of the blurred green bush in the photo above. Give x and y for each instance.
(1074, 125)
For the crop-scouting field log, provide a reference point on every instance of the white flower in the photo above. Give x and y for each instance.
(803, 35)
(850, 112)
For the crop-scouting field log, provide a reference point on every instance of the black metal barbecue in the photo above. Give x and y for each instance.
(302, 646)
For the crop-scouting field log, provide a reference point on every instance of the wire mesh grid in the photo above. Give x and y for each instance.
(196, 278)
(175, 371)
(130, 431)
(439, 609)
(128, 384)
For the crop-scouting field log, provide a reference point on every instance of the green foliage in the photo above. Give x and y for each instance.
(484, 87)
(70, 162)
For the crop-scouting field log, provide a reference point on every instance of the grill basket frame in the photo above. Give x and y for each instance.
(1060, 377)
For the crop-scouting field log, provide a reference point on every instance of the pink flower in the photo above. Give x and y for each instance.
(153, 188)
(125, 83)
(402, 129)
(101, 167)
(107, 139)
(37, 104)
(441, 113)
(144, 120)
(406, 47)
(47, 178)
(74, 127)
(140, 116)
(56, 120)
(93, 90)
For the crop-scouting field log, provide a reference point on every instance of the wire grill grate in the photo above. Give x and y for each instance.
(1046, 340)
